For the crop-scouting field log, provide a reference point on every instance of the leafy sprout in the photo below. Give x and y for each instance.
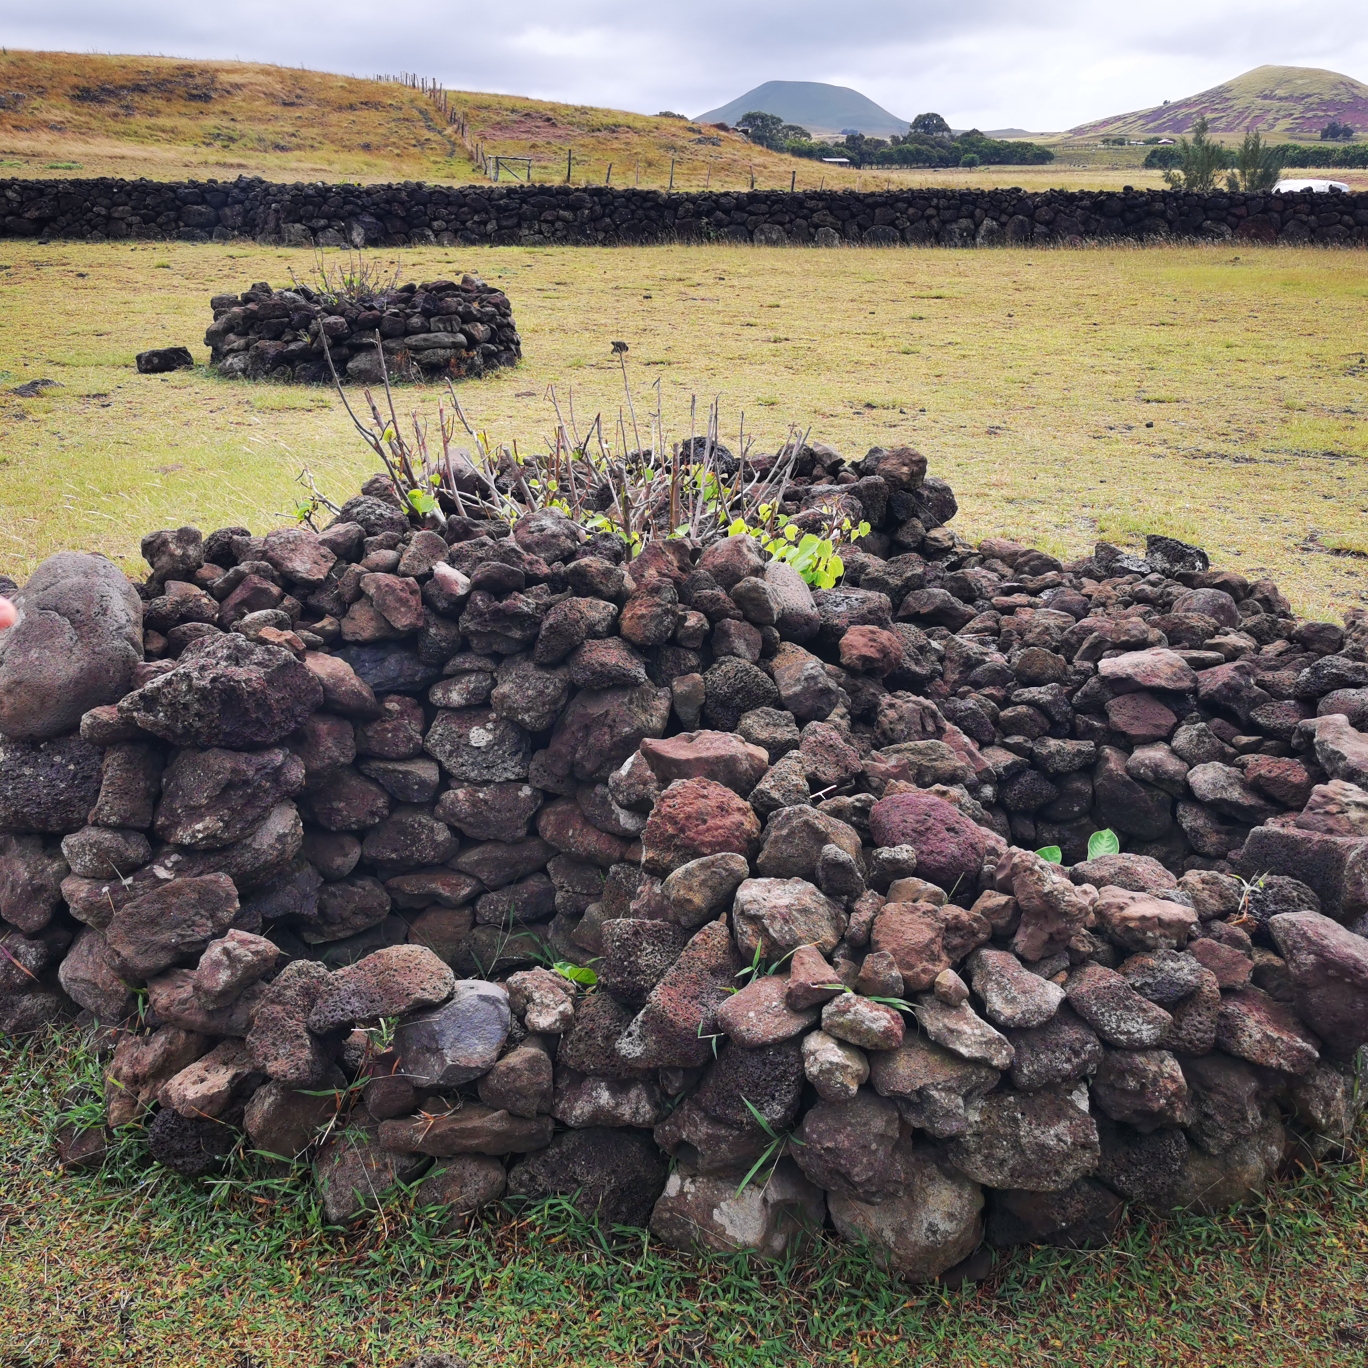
(576, 973)
(1051, 854)
(1105, 842)
(813, 557)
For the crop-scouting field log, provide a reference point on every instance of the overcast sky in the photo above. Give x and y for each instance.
(990, 63)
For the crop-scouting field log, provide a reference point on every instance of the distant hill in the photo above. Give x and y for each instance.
(822, 109)
(1280, 101)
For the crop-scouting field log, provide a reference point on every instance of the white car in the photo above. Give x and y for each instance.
(1287, 187)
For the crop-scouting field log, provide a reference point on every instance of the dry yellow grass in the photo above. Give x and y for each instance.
(170, 119)
(1215, 393)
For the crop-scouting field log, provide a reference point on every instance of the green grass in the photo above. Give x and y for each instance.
(133, 1265)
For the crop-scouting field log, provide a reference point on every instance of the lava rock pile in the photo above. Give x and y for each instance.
(434, 330)
(300, 784)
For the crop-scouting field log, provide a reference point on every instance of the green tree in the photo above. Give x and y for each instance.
(1257, 166)
(932, 125)
(1335, 131)
(761, 128)
(1199, 161)
(859, 149)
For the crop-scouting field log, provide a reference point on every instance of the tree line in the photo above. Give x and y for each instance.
(929, 141)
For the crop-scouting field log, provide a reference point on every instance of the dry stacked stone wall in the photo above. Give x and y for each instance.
(434, 329)
(297, 783)
(416, 215)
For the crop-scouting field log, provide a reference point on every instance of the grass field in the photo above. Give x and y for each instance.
(1218, 394)
(135, 1266)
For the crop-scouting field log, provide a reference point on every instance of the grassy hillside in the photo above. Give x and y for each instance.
(1283, 102)
(63, 113)
(162, 117)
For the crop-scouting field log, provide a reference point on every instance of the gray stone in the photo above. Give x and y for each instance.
(213, 798)
(47, 787)
(936, 1090)
(930, 1223)
(701, 889)
(1040, 1141)
(475, 746)
(834, 1068)
(1011, 994)
(226, 691)
(78, 637)
(773, 1216)
(779, 915)
(1114, 1009)
(353, 1170)
(963, 1032)
(615, 1176)
(458, 1041)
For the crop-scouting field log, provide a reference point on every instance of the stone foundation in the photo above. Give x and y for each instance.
(299, 784)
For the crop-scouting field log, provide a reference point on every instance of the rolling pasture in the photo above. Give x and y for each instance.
(1218, 394)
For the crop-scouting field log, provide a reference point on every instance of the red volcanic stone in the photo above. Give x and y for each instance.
(871, 650)
(1140, 717)
(949, 846)
(720, 756)
(696, 817)
(1157, 668)
(1231, 967)
(1284, 780)
(565, 826)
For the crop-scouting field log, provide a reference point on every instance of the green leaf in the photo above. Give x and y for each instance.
(760, 1119)
(1103, 842)
(759, 1163)
(422, 501)
(1051, 854)
(576, 973)
(897, 1003)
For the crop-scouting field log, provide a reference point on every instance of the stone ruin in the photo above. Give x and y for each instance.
(299, 784)
(435, 330)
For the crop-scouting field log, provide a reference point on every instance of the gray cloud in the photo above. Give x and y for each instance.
(986, 62)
